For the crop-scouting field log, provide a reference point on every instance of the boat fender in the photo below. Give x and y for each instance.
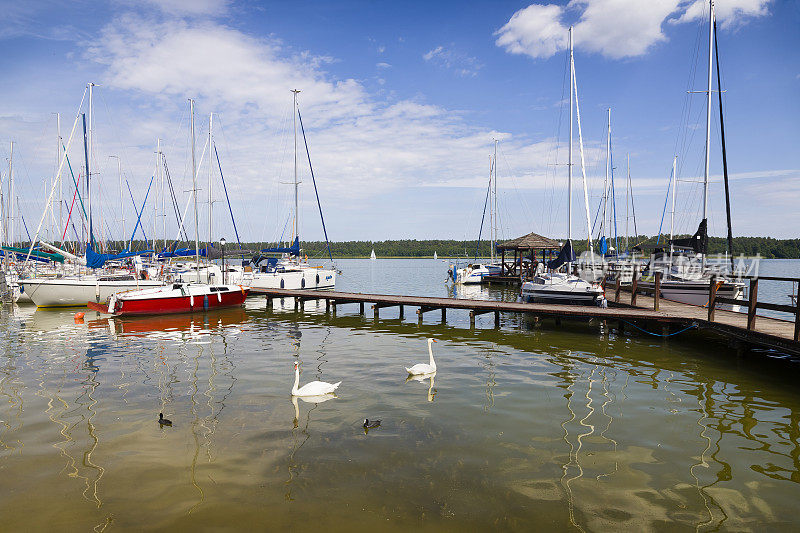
(97, 291)
(245, 293)
(191, 300)
(112, 304)
(303, 283)
(205, 302)
(219, 297)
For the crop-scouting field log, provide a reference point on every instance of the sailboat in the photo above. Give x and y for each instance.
(291, 271)
(686, 272)
(435, 255)
(474, 273)
(565, 287)
(176, 297)
(98, 285)
(372, 255)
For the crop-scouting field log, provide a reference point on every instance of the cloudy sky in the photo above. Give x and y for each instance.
(401, 103)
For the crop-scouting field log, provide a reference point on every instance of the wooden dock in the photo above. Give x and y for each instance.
(665, 317)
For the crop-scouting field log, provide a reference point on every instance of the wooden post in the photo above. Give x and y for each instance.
(712, 298)
(797, 316)
(327, 306)
(503, 262)
(401, 312)
(472, 319)
(497, 319)
(616, 291)
(751, 308)
(444, 315)
(634, 284)
(360, 308)
(375, 311)
(333, 307)
(269, 302)
(657, 291)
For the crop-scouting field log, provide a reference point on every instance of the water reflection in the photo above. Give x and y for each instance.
(422, 378)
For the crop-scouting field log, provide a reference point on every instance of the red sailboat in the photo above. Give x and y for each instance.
(174, 298)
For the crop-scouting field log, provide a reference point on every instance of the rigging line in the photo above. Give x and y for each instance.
(225, 188)
(664, 211)
(175, 205)
(314, 181)
(485, 202)
(139, 214)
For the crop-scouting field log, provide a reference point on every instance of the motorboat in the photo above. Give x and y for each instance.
(558, 287)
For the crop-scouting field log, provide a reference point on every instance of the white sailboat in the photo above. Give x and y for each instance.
(86, 285)
(558, 287)
(291, 271)
(372, 255)
(686, 272)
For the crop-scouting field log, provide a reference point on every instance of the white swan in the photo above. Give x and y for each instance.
(315, 388)
(422, 368)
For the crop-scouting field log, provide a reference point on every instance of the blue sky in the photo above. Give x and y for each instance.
(401, 103)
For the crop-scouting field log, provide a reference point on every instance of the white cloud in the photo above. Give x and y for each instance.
(383, 65)
(188, 7)
(459, 62)
(612, 28)
(728, 13)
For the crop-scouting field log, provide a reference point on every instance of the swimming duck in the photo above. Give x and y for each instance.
(164, 421)
(369, 424)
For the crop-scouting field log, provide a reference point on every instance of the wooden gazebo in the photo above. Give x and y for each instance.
(526, 247)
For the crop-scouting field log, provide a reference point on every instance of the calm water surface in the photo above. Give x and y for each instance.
(522, 428)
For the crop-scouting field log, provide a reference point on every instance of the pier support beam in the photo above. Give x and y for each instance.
(475, 312)
(496, 319)
(402, 314)
(360, 308)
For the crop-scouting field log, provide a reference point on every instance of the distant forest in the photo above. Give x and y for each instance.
(749, 246)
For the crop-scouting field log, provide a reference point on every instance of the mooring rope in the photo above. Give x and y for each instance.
(660, 334)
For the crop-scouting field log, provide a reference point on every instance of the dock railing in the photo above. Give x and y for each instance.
(752, 304)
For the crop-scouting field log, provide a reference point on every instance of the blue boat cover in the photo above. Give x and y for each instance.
(96, 260)
(294, 249)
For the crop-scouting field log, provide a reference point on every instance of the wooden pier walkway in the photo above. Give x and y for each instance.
(668, 316)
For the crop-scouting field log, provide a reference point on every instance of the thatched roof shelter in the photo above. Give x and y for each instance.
(531, 241)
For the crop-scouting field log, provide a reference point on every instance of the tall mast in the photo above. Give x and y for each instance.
(121, 197)
(627, 191)
(194, 193)
(296, 188)
(605, 183)
(583, 168)
(672, 214)
(708, 107)
(11, 196)
(494, 211)
(88, 163)
(60, 187)
(569, 163)
(210, 173)
(160, 160)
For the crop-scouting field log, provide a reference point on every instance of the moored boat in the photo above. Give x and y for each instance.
(175, 298)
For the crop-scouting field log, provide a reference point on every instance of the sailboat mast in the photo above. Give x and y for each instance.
(296, 188)
(569, 162)
(672, 214)
(494, 211)
(60, 183)
(708, 107)
(605, 183)
(627, 195)
(194, 193)
(88, 163)
(11, 196)
(210, 173)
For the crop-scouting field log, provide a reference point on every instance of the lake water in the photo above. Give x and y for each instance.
(522, 428)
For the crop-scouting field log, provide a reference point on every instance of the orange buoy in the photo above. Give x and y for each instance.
(79, 317)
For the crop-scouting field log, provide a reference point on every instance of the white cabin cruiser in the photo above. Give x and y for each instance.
(558, 287)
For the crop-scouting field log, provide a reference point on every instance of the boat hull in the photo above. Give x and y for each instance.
(175, 304)
(696, 293)
(75, 293)
(310, 278)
